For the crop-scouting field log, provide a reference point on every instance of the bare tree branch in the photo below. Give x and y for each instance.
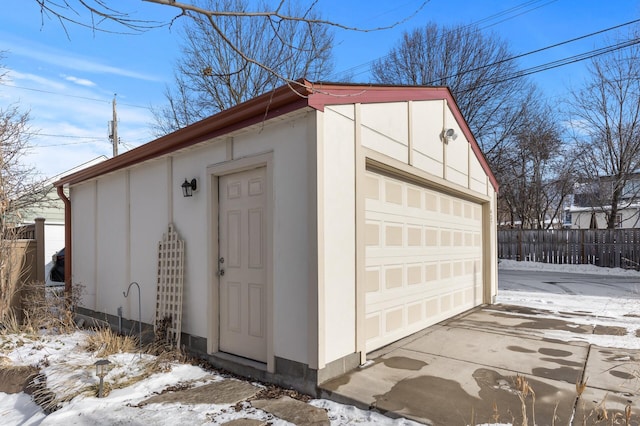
(277, 15)
(223, 63)
(102, 16)
(99, 14)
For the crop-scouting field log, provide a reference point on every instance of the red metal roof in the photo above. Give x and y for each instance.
(285, 99)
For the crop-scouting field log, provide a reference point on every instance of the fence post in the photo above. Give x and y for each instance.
(520, 245)
(39, 237)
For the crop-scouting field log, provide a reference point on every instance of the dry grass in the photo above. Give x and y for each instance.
(598, 415)
(163, 360)
(42, 395)
(49, 308)
(105, 342)
(581, 386)
(11, 325)
(524, 390)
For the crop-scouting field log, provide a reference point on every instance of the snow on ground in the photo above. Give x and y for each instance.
(71, 373)
(579, 269)
(623, 313)
(594, 311)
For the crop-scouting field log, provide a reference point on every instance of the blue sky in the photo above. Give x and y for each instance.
(67, 82)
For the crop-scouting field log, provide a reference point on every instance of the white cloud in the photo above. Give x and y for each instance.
(45, 54)
(79, 81)
(16, 78)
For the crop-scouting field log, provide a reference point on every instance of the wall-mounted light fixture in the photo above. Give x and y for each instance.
(189, 187)
(448, 134)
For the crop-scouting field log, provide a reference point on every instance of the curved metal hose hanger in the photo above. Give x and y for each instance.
(126, 294)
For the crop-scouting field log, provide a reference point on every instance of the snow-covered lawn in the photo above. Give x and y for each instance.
(69, 368)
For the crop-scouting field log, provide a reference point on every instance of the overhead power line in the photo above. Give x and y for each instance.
(522, 55)
(60, 136)
(565, 61)
(507, 11)
(64, 144)
(76, 96)
(489, 18)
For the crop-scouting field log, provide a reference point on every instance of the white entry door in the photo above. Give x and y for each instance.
(243, 292)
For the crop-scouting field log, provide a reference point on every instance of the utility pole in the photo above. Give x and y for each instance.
(114, 129)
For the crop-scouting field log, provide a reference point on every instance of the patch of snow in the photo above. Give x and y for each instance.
(340, 414)
(615, 313)
(514, 265)
(19, 409)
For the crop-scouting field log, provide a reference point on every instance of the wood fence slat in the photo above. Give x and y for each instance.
(612, 248)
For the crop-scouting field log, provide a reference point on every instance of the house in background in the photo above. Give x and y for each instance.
(323, 223)
(587, 211)
(51, 209)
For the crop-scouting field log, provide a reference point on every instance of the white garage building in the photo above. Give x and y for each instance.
(325, 223)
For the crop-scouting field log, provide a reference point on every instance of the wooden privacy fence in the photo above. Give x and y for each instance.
(612, 248)
(22, 251)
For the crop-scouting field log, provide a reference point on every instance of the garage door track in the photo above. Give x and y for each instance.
(494, 365)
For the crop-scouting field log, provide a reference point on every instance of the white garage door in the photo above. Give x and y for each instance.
(423, 257)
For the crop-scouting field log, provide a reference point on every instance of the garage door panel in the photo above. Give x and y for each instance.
(423, 261)
(396, 322)
(388, 290)
(430, 255)
(417, 269)
(461, 224)
(379, 302)
(447, 211)
(416, 272)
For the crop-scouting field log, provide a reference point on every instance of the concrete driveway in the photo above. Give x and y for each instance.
(464, 371)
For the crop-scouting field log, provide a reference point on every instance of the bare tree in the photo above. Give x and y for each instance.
(212, 76)
(20, 188)
(475, 66)
(605, 114)
(537, 172)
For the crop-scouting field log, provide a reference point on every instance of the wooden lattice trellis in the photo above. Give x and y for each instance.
(168, 322)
